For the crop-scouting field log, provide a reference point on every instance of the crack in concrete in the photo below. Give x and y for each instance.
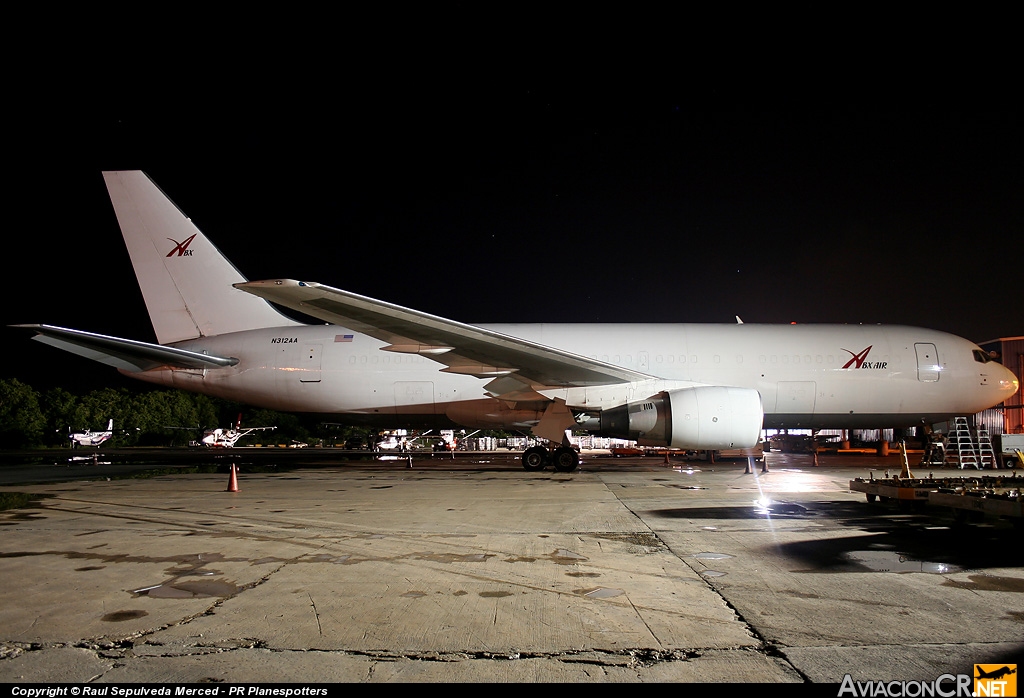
(316, 615)
(766, 648)
(121, 648)
(121, 653)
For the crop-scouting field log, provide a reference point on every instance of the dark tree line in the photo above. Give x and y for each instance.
(30, 419)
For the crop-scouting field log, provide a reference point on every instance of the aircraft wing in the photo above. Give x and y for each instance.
(126, 354)
(464, 349)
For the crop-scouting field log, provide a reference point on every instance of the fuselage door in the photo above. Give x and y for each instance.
(928, 367)
(414, 397)
(795, 397)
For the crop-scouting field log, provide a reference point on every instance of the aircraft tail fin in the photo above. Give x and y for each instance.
(110, 425)
(185, 280)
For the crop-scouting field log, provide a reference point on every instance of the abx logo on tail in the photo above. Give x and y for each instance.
(182, 247)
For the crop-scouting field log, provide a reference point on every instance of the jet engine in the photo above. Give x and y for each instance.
(703, 418)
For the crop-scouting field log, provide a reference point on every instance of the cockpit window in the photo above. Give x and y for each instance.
(981, 357)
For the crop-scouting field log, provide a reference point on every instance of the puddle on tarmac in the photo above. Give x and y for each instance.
(712, 556)
(892, 561)
(566, 557)
(452, 557)
(120, 616)
(414, 594)
(520, 559)
(11, 518)
(769, 508)
(603, 593)
(179, 587)
(323, 557)
(198, 589)
(712, 573)
(984, 582)
(494, 594)
(582, 574)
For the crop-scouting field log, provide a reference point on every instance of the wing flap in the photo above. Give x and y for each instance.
(463, 348)
(125, 354)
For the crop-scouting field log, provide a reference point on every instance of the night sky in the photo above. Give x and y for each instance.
(521, 203)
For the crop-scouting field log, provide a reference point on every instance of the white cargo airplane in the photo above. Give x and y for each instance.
(688, 386)
(92, 438)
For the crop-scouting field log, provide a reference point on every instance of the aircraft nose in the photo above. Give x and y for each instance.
(1008, 383)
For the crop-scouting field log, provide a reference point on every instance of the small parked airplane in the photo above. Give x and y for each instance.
(92, 438)
(227, 438)
(701, 387)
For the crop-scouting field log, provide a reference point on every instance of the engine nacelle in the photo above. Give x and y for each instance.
(704, 418)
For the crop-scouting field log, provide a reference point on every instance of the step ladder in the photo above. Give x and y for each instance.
(986, 455)
(960, 450)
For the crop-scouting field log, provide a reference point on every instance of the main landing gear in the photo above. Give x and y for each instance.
(564, 459)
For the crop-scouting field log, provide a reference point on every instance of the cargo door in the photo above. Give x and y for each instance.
(796, 397)
(414, 397)
(928, 367)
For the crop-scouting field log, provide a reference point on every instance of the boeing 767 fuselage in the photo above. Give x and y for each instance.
(694, 386)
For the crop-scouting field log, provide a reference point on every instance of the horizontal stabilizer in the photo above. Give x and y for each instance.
(126, 354)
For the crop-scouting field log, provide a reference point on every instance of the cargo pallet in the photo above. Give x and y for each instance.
(968, 497)
(974, 505)
(906, 490)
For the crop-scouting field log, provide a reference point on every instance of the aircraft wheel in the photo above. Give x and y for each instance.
(535, 458)
(566, 460)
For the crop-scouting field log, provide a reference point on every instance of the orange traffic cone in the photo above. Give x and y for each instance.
(666, 458)
(233, 480)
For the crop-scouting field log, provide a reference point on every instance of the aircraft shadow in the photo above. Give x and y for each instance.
(890, 540)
